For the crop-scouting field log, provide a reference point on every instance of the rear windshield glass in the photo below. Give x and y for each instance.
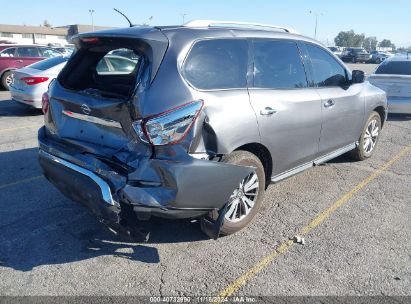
(217, 64)
(395, 67)
(104, 70)
(48, 63)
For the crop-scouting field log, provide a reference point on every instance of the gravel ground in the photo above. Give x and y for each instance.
(52, 246)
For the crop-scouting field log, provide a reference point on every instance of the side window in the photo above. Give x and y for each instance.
(327, 71)
(278, 65)
(217, 64)
(8, 52)
(27, 52)
(48, 52)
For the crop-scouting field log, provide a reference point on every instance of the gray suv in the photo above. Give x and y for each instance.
(209, 114)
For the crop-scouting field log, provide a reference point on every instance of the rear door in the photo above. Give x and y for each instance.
(342, 103)
(27, 55)
(287, 110)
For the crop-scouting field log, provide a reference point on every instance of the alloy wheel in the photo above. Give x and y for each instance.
(371, 136)
(242, 199)
(9, 79)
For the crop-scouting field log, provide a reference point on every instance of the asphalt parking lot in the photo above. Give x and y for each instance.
(354, 216)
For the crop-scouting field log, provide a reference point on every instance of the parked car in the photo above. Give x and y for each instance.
(31, 82)
(336, 51)
(393, 76)
(378, 57)
(355, 55)
(13, 56)
(211, 114)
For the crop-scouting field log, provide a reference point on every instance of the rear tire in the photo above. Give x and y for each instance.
(368, 139)
(6, 79)
(238, 217)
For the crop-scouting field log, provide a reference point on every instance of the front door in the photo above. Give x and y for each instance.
(288, 112)
(342, 102)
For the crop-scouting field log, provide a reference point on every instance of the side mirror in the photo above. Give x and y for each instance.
(358, 76)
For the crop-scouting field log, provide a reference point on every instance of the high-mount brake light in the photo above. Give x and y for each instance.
(34, 80)
(90, 40)
(169, 127)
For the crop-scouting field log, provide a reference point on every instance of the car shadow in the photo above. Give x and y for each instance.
(399, 117)
(10, 108)
(39, 226)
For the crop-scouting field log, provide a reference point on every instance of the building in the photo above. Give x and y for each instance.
(61, 35)
(22, 34)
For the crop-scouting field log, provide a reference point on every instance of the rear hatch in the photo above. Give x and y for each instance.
(394, 86)
(94, 101)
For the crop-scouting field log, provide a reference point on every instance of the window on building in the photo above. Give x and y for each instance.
(6, 34)
(41, 36)
(61, 37)
(27, 36)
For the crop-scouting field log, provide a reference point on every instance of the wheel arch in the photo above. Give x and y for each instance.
(264, 156)
(381, 111)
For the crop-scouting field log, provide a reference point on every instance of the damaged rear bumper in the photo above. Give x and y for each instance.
(185, 188)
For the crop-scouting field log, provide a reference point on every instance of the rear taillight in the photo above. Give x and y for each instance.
(34, 80)
(169, 127)
(45, 103)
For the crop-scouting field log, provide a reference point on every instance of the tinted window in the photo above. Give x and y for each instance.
(27, 52)
(394, 67)
(46, 52)
(328, 72)
(48, 63)
(217, 64)
(8, 52)
(278, 65)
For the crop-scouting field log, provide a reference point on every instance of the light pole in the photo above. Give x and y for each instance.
(184, 17)
(91, 11)
(316, 22)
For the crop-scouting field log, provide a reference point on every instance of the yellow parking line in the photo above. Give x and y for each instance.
(242, 280)
(18, 128)
(30, 179)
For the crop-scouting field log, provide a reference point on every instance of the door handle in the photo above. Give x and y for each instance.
(268, 111)
(329, 103)
(19, 61)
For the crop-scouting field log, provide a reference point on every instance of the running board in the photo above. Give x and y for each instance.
(313, 163)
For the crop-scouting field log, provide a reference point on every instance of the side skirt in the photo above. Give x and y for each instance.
(315, 162)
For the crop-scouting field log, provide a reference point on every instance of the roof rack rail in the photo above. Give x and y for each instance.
(217, 23)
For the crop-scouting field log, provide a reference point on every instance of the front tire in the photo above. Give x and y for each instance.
(368, 139)
(247, 198)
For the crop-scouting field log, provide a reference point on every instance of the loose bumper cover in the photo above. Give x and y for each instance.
(184, 188)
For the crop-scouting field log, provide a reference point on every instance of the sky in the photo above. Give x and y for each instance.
(371, 17)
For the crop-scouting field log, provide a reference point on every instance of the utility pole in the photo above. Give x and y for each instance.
(316, 22)
(184, 17)
(91, 11)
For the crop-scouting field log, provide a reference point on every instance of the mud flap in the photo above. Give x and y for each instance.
(212, 228)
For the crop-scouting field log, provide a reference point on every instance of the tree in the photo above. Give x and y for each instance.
(387, 43)
(349, 39)
(46, 23)
(370, 43)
